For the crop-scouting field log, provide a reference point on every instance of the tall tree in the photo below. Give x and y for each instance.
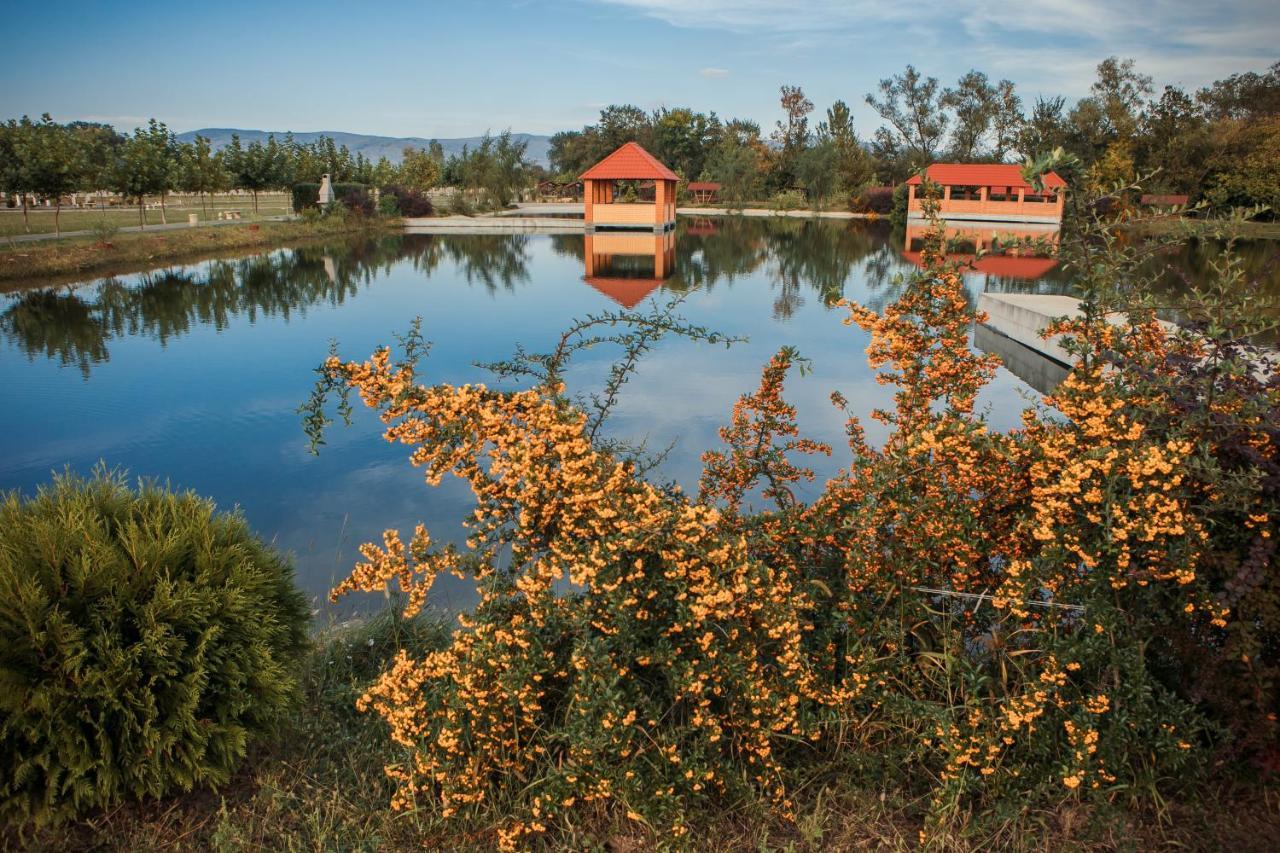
(201, 170)
(144, 166)
(1121, 94)
(419, 170)
(735, 165)
(1046, 128)
(791, 134)
(52, 159)
(14, 171)
(911, 104)
(817, 170)
(257, 167)
(973, 101)
(1006, 121)
(853, 165)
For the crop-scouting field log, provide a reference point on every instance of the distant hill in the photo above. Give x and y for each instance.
(372, 147)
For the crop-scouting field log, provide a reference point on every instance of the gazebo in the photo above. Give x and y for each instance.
(629, 163)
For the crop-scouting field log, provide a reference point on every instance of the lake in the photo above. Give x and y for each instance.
(193, 374)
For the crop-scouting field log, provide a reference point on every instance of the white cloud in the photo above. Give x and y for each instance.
(713, 73)
(1038, 41)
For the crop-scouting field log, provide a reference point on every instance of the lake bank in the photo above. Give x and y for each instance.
(74, 258)
(322, 786)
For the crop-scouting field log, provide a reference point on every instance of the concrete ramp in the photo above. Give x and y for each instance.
(1022, 317)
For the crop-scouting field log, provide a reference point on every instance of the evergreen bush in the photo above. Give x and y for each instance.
(146, 641)
(305, 196)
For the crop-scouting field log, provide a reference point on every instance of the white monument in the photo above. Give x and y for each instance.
(326, 191)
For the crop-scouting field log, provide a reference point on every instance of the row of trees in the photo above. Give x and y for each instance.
(48, 160)
(1221, 143)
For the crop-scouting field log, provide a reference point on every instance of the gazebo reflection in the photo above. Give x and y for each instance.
(628, 266)
(1022, 251)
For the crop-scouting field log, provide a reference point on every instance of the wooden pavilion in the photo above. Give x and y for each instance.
(704, 192)
(629, 163)
(994, 192)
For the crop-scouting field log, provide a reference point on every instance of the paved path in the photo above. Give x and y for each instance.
(172, 226)
(566, 209)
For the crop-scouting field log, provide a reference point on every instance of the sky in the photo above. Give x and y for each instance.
(445, 69)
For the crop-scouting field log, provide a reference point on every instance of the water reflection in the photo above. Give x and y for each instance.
(628, 266)
(1019, 251)
(194, 373)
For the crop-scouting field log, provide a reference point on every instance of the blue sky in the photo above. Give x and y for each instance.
(430, 68)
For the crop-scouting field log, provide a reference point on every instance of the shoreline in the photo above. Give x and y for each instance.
(52, 262)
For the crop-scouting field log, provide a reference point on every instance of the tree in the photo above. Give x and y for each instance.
(817, 170)
(49, 151)
(912, 106)
(97, 145)
(1006, 122)
(1121, 94)
(682, 138)
(497, 166)
(144, 165)
(1246, 168)
(974, 103)
(259, 167)
(1046, 129)
(791, 134)
(1176, 141)
(735, 165)
(419, 170)
(1243, 96)
(201, 171)
(853, 165)
(14, 174)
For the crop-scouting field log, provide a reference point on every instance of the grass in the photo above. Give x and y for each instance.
(1251, 230)
(320, 786)
(69, 259)
(176, 208)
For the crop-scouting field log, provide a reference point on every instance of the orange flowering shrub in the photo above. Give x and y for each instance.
(994, 614)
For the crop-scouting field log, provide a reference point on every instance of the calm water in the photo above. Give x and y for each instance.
(194, 374)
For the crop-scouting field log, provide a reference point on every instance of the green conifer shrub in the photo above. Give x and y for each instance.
(146, 640)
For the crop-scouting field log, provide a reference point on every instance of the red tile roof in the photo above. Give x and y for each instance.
(630, 163)
(710, 186)
(983, 175)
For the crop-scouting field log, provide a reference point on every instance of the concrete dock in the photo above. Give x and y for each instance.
(1013, 330)
(566, 218)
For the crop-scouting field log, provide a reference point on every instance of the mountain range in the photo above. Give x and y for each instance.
(370, 146)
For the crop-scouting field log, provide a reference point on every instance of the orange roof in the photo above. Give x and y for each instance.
(627, 292)
(630, 163)
(704, 185)
(983, 175)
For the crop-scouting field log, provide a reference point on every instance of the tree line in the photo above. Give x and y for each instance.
(1220, 143)
(48, 160)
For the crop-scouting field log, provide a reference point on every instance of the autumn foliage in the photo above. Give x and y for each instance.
(1083, 607)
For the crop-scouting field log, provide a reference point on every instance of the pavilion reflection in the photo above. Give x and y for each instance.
(1013, 250)
(628, 266)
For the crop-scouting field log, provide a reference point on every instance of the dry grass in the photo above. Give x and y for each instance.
(41, 220)
(50, 262)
